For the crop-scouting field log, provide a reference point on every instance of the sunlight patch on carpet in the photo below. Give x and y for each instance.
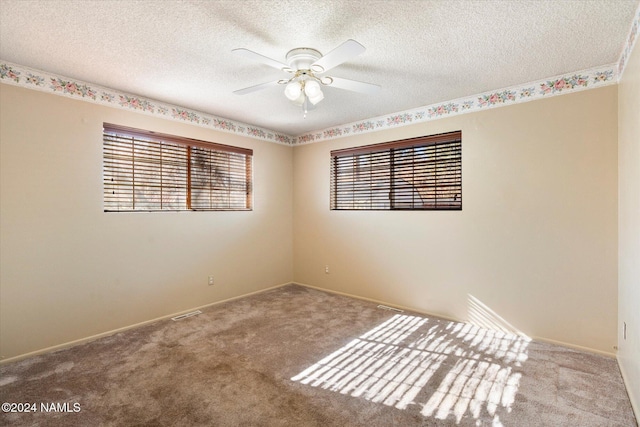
(447, 369)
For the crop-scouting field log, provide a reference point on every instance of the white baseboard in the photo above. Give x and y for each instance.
(575, 346)
(633, 396)
(125, 328)
(168, 316)
(402, 307)
(440, 316)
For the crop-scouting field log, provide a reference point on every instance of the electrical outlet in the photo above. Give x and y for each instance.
(326, 269)
(210, 280)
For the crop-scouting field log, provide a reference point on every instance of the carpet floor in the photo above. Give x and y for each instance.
(295, 356)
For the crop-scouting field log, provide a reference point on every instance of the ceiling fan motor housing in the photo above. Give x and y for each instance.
(301, 58)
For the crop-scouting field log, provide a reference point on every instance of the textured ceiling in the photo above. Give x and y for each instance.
(420, 52)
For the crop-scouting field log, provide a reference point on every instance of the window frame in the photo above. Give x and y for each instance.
(388, 169)
(146, 137)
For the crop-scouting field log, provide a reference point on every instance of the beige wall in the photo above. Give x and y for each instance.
(629, 226)
(69, 271)
(536, 241)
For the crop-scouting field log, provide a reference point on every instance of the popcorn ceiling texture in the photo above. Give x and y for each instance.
(421, 52)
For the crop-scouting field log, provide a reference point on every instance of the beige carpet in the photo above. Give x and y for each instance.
(294, 356)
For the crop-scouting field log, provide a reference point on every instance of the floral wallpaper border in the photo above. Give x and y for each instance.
(567, 83)
(558, 85)
(40, 80)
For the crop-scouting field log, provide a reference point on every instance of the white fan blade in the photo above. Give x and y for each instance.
(255, 88)
(249, 54)
(337, 56)
(355, 86)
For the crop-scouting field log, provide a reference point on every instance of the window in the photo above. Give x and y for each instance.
(148, 171)
(422, 173)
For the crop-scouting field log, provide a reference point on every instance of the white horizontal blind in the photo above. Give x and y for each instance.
(146, 171)
(416, 174)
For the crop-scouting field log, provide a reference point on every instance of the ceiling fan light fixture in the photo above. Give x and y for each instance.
(293, 90)
(312, 88)
(300, 99)
(317, 98)
(313, 91)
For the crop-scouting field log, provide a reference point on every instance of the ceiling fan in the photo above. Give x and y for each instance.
(307, 66)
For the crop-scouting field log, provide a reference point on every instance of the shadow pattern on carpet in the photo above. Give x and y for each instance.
(295, 356)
